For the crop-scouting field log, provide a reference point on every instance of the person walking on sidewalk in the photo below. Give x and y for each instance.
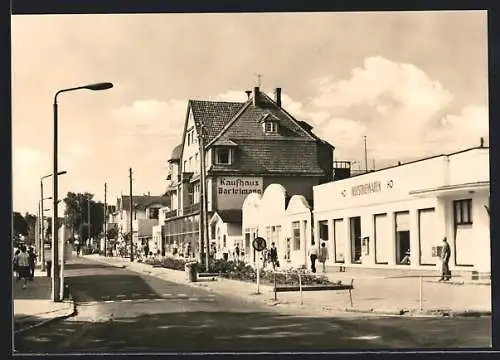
(32, 261)
(445, 258)
(323, 256)
(313, 255)
(16, 264)
(273, 256)
(24, 262)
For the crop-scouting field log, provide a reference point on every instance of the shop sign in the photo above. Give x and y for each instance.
(232, 190)
(364, 189)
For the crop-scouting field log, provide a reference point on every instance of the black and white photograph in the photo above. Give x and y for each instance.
(250, 182)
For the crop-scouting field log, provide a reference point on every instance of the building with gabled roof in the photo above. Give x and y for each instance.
(248, 145)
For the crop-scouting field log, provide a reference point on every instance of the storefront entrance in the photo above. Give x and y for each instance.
(403, 238)
(355, 235)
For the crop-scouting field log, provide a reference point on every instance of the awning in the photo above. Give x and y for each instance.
(451, 190)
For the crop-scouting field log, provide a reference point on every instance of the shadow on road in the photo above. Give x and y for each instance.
(237, 331)
(83, 266)
(110, 287)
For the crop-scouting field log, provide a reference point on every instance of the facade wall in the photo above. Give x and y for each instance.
(372, 219)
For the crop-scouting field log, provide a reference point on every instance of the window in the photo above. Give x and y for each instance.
(296, 235)
(189, 138)
(462, 212)
(223, 156)
(153, 213)
(185, 165)
(270, 127)
(323, 231)
(190, 163)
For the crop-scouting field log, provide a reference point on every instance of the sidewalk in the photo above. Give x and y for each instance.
(371, 294)
(34, 307)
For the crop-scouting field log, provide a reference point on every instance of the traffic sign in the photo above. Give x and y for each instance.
(259, 243)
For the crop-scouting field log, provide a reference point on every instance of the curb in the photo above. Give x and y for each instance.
(48, 321)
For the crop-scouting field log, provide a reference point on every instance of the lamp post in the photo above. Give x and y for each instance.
(42, 238)
(55, 253)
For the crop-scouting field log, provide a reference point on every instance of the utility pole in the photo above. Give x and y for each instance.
(202, 197)
(88, 216)
(42, 227)
(105, 220)
(366, 155)
(373, 164)
(131, 219)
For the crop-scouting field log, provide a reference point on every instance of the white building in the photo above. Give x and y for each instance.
(280, 219)
(374, 220)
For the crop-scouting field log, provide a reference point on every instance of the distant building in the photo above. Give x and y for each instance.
(248, 146)
(145, 213)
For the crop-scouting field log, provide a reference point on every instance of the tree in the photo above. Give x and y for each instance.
(76, 214)
(31, 222)
(19, 224)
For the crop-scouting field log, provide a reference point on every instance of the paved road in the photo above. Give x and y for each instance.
(123, 311)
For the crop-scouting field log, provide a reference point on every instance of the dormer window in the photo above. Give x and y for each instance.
(271, 127)
(223, 156)
(269, 124)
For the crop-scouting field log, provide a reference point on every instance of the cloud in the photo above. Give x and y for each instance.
(403, 112)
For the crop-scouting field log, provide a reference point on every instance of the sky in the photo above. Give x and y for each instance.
(414, 83)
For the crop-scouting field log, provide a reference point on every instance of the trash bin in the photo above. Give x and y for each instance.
(190, 268)
(48, 267)
(66, 291)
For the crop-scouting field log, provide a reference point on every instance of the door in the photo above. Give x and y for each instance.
(427, 236)
(355, 235)
(339, 240)
(403, 238)
(383, 238)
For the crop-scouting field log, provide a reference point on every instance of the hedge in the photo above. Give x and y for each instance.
(243, 272)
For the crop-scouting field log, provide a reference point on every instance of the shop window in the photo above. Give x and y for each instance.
(323, 231)
(296, 235)
(223, 156)
(340, 240)
(462, 210)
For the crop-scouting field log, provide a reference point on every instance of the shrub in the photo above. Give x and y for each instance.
(167, 262)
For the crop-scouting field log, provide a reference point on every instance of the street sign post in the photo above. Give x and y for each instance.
(258, 244)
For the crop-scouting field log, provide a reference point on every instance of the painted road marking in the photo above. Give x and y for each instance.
(182, 295)
(366, 337)
(109, 301)
(193, 299)
(166, 295)
(127, 300)
(120, 296)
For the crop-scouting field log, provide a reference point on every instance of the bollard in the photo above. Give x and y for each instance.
(275, 292)
(350, 292)
(420, 293)
(300, 289)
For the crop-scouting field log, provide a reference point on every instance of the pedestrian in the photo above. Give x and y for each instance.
(32, 262)
(237, 252)
(445, 258)
(225, 253)
(24, 263)
(313, 255)
(188, 250)
(16, 264)
(323, 256)
(273, 256)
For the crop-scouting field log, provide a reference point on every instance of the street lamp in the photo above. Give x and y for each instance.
(42, 237)
(56, 288)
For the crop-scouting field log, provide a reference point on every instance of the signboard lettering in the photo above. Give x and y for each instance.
(232, 190)
(369, 188)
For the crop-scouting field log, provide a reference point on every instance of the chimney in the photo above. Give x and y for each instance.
(277, 96)
(256, 96)
(248, 92)
(482, 142)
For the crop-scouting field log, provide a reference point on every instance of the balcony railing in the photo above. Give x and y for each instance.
(191, 208)
(170, 213)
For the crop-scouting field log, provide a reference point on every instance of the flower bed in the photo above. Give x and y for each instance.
(244, 272)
